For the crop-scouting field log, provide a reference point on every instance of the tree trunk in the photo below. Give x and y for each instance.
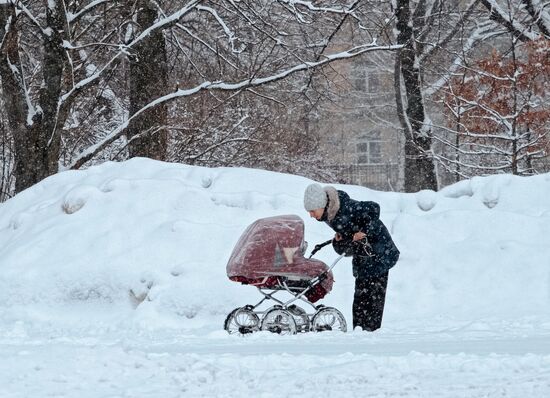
(419, 165)
(12, 87)
(36, 134)
(49, 130)
(148, 81)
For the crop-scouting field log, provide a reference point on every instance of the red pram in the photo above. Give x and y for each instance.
(270, 256)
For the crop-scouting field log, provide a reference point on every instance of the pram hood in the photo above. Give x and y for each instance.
(274, 247)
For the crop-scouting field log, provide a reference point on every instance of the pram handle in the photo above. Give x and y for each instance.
(324, 274)
(319, 247)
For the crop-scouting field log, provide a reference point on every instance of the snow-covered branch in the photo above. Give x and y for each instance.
(72, 18)
(308, 5)
(123, 50)
(473, 166)
(480, 34)
(230, 35)
(22, 8)
(433, 49)
(497, 14)
(539, 15)
(6, 29)
(227, 141)
(225, 86)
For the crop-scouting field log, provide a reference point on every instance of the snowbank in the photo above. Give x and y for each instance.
(103, 239)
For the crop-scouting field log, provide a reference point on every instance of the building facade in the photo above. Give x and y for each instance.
(359, 133)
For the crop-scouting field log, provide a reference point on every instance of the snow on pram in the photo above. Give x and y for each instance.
(270, 256)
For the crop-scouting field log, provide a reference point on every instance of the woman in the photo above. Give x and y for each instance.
(359, 233)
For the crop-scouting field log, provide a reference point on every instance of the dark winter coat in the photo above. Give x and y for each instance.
(346, 216)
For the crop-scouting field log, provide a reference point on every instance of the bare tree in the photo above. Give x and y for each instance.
(419, 166)
(501, 108)
(44, 72)
(525, 19)
(428, 33)
(439, 40)
(6, 162)
(148, 81)
(471, 145)
(79, 59)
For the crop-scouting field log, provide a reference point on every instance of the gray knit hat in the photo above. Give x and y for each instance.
(315, 197)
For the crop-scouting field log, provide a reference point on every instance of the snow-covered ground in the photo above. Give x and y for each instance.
(467, 311)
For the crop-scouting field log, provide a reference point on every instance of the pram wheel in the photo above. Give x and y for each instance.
(300, 317)
(328, 318)
(279, 321)
(242, 321)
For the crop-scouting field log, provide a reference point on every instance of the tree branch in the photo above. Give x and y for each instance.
(497, 14)
(224, 86)
(538, 17)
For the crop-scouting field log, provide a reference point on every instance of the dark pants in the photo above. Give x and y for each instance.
(368, 301)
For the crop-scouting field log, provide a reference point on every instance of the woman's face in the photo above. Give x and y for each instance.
(317, 213)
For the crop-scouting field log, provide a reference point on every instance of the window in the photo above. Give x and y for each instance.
(367, 81)
(369, 149)
(360, 83)
(373, 82)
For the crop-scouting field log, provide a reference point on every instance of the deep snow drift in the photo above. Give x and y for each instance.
(78, 248)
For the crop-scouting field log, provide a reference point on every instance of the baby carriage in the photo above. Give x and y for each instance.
(270, 256)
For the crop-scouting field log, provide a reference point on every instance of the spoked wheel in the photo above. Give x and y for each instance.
(242, 321)
(328, 318)
(300, 317)
(279, 321)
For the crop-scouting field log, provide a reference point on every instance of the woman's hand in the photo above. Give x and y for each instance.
(359, 236)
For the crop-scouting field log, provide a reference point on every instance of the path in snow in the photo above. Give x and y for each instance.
(332, 365)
